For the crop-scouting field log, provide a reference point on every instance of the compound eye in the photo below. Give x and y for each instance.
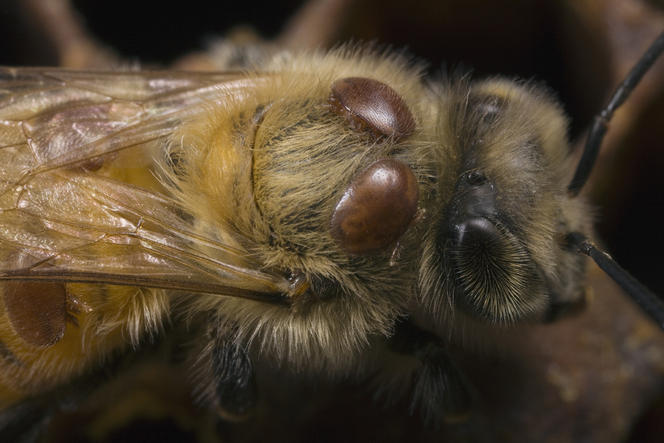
(376, 208)
(36, 310)
(373, 106)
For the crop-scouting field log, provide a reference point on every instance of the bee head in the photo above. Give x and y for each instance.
(495, 250)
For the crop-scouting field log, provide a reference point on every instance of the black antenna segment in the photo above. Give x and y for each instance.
(644, 297)
(601, 121)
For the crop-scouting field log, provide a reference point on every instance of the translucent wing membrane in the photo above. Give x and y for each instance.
(60, 223)
(65, 117)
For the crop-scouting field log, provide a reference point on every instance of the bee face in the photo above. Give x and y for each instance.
(495, 249)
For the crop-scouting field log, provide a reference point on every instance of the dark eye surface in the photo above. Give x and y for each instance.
(36, 310)
(376, 208)
(370, 105)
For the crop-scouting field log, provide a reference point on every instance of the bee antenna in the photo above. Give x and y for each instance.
(601, 121)
(644, 297)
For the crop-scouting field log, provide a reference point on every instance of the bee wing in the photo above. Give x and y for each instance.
(58, 223)
(55, 117)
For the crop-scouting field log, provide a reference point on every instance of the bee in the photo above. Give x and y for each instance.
(319, 212)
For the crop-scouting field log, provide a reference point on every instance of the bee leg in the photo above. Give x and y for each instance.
(235, 384)
(439, 389)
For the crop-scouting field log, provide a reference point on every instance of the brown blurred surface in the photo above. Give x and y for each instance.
(589, 378)
(584, 379)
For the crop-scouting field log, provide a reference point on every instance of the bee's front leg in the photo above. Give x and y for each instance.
(439, 389)
(234, 377)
